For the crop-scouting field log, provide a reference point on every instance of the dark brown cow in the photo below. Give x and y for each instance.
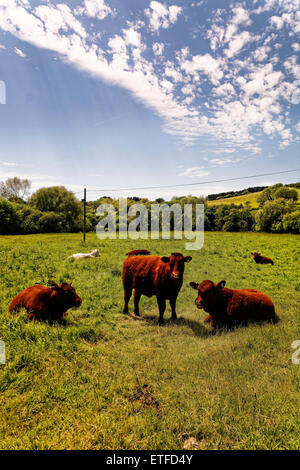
(154, 275)
(261, 259)
(228, 307)
(138, 252)
(46, 303)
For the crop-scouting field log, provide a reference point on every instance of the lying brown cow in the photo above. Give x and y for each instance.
(138, 252)
(261, 259)
(46, 303)
(228, 307)
(154, 275)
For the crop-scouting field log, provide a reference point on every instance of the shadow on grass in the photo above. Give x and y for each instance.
(197, 328)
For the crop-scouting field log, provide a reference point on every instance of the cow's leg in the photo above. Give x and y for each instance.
(208, 319)
(161, 302)
(136, 299)
(173, 308)
(127, 295)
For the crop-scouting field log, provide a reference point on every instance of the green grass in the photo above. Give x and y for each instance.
(80, 385)
(251, 198)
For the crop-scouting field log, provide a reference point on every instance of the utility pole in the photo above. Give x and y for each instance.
(84, 214)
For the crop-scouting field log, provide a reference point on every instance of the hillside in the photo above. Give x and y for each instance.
(237, 200)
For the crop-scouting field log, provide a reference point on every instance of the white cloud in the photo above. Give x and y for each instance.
(95, 9)
(224, 90)
(219, 151)
(194, 172)
(7, 163)
(296, 46)
(59, 18)
(158, 48)
(20, 53)
(132, 37)
(172, 72)
(237, 43)
(188, 89)
(205, 64)
(223, 161)
(261, 53)
(289, 19)
(174, 12)
(162, 16)
(277, 21)
(292, 67)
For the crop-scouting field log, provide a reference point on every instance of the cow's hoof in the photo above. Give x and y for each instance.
(173, 318)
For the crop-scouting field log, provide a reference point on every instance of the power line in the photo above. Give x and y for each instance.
(189, 184)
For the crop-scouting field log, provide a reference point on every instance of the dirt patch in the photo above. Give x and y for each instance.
(144, 395)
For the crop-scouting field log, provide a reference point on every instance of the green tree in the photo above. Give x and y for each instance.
(291, 222)
(15, 189)
(29, 219)
(270, 217)
(9, 220)
(59, 200)
(286, 193)
(268, 194)
(51, 222)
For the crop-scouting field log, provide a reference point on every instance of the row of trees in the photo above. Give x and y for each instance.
(56, 209)
(48, 210)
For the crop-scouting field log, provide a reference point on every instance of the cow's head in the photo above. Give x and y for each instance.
(176, 262)
(95, 253)
(255, 255)
(207, 294)
(66, 295)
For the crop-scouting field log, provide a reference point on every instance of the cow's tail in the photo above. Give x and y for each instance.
(138, 252)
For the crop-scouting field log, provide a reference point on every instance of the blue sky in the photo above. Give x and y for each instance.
(127, 93)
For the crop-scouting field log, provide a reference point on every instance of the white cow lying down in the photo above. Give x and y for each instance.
(92, 254)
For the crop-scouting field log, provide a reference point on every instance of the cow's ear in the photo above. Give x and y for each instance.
(165, 259)
(54, 286)
(194, 285)
(221, 284)
(187, 259)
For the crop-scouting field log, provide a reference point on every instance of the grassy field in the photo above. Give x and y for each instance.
(251, 198)
(106, 381)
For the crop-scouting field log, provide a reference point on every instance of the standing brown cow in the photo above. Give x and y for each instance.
(45, 303)
(228, 307)
(154, 275)
(259, 259)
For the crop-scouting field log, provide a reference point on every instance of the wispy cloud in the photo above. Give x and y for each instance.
(20, 53)
(7, 163)
(194, 172)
